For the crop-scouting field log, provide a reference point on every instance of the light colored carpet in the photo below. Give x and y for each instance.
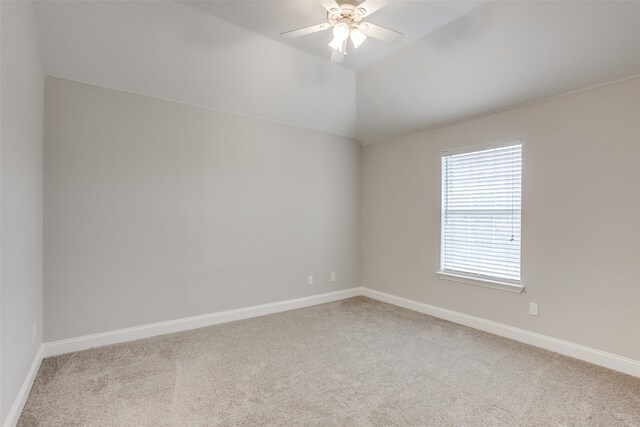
(355, 362)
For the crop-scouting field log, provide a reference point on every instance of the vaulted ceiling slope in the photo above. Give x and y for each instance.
(500, 55)
(172, 51)
(466, 59)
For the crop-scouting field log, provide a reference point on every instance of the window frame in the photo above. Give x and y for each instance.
(470, 278)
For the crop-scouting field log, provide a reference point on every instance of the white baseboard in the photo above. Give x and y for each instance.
(145, 331)
(591, 355)
(18, 404)
(577, 351)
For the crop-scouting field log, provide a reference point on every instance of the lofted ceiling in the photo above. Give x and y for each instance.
(168, 50)
(272, 17)
(459, 59)
(500, 55)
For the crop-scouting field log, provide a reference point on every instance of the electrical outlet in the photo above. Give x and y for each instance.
(533, 308)
(310, 280)
(34, 332)
(333, 276)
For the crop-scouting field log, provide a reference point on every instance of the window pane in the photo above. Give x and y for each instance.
(481, 208)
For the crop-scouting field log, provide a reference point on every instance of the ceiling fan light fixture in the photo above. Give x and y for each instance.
(357, 37)
(336, 44)
(340, 35)
(341, 31)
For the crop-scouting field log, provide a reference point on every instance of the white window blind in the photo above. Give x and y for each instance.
(481, 209)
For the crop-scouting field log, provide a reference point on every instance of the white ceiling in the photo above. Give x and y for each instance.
(466, 59)
(499, 55)
(167, 50)
(270, 18)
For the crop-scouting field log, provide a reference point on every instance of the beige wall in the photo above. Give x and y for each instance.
(581, 213)
(21, 198)
(156, 210)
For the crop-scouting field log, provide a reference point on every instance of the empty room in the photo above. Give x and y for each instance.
(319, 213)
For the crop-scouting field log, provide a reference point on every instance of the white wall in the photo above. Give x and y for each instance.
(20, 197)
(580, 233)
(156, 210)
(172, 51)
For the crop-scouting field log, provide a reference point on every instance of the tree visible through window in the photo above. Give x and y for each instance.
(481, 212)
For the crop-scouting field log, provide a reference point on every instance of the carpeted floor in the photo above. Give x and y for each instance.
(355, 362)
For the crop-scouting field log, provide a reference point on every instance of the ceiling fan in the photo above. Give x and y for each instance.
(346, 19)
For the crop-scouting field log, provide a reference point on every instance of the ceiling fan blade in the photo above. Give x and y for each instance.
(330, 5)
(380, 33)
(338, 56)
(368, 7)
(307, 30)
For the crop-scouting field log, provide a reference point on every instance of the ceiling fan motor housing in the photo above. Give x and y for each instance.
(348, 13)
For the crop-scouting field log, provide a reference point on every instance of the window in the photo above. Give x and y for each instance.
(481, 206)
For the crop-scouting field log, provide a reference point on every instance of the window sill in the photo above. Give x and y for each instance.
(487, 283)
